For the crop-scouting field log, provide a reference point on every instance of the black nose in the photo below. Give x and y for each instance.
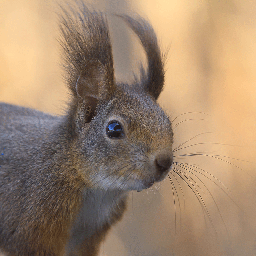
(163, 162)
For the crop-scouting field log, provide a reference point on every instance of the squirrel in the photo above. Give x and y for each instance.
(64, 180)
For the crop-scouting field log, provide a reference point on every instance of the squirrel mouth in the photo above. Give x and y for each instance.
(146, 185)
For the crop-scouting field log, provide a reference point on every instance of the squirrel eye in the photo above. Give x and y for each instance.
(114, 130)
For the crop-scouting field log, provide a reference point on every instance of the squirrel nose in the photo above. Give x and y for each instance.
(163, 162)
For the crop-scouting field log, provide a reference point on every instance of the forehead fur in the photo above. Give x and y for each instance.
(140, 108)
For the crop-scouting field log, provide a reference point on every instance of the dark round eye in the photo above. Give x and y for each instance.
(115, 130)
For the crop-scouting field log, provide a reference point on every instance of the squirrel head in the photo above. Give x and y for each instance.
(121, 138)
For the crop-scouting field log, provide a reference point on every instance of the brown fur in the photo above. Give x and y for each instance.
(63, 180)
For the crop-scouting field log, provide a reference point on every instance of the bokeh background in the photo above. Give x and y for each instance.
(211, 89)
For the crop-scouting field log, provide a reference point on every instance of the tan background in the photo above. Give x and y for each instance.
(210, 72)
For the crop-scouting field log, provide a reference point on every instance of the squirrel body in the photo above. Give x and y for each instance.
(64, 180)
(60, 199)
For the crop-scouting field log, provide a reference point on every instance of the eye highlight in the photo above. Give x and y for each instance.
(114, 130)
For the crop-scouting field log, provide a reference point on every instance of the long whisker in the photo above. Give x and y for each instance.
(191, 186)
(212, 179)
(189, 113)
(180, 187)
(202, 143)
(183, 143)
(196, 193)
(174, 191)
(187, 120)
(218, 157)
(190, 170)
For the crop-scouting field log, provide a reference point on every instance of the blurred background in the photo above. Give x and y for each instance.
(210, 94)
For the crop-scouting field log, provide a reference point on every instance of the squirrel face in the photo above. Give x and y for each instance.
(123, 139)
(129, 139)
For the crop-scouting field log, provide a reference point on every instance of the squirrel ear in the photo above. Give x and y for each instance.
(93, 83)
(88, 56)
(153, 79)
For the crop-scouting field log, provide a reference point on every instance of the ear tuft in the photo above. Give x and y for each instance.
(92, 82)
(153, 80)
(87, 53)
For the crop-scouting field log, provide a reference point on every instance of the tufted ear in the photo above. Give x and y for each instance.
(93, 82)
(87, 54)
(153, 79)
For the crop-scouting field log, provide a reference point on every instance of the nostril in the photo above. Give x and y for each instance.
(163, 162)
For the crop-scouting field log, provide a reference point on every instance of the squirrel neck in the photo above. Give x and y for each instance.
(87, 209)
(98, 211)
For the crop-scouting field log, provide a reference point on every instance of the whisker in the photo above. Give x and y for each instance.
(218, 157)
(194, 168)
(199, 134)
(236, 159)
(190, 170)
(183, 195)
(187, 120)
(196, 193)
(174, 191)
(188, 113)
(173, 195)
(202, 143)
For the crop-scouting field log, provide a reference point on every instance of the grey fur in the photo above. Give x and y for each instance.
(63, 181)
